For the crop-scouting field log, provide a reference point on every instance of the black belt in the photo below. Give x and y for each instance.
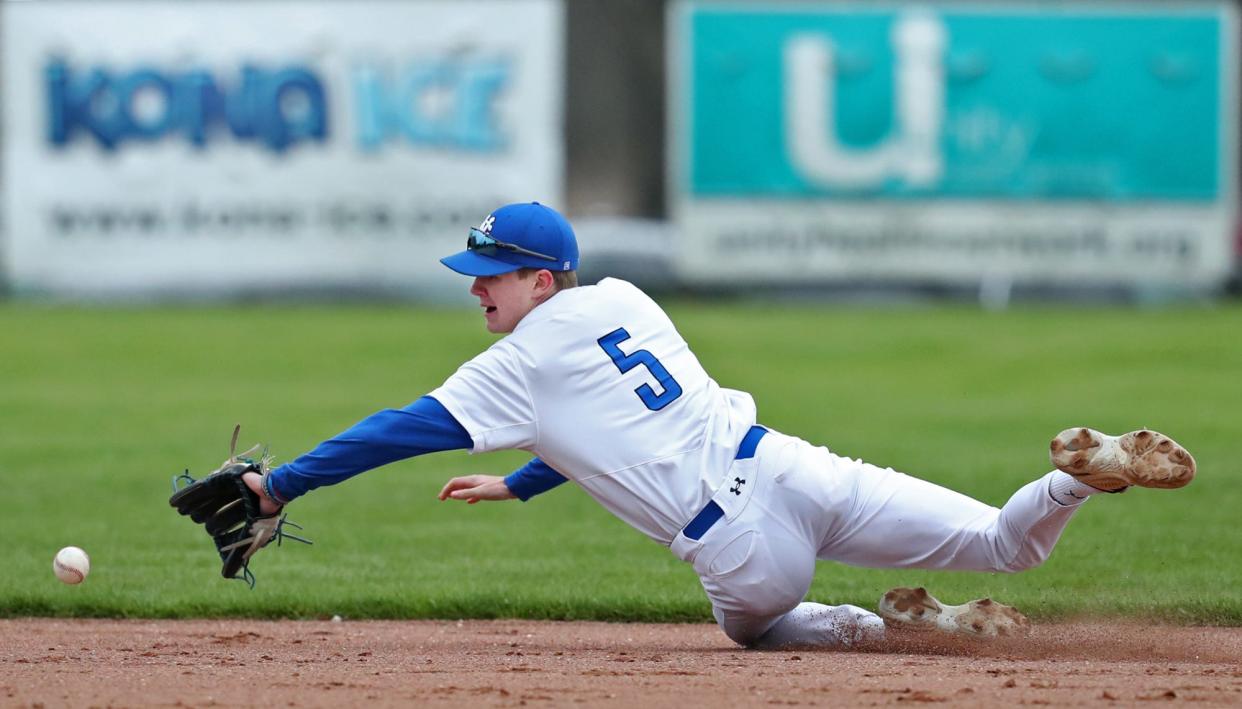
(711, 513)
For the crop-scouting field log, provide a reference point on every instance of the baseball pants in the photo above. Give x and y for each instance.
(806, 503)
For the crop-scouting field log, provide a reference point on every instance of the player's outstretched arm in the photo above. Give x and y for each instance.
(424, 426)
(473, 488)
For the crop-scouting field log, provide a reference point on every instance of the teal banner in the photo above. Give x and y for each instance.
(1118, 104)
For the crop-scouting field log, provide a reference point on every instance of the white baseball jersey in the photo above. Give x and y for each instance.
(598, 383)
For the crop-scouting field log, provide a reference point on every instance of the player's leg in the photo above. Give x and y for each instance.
(894, 520)
(818, 625)
(863, 515)
(860, 514)
(756, 572)
(756, 580)
(752, 576)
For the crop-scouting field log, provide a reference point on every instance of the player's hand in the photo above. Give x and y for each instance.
(267, 506)
(473, 488)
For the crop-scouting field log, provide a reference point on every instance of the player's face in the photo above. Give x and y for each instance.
(505, 299)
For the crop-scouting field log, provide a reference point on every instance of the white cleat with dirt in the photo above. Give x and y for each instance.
(1113, 463)
(916, 609)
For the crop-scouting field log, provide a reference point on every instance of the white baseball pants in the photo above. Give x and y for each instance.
(807, 503)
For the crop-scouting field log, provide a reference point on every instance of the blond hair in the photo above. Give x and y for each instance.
(560, 279)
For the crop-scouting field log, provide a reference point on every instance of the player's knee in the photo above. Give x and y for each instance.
(754, 580)
(746, 627)
(748, 632)
(1023, 565)
(1010, 554)
(743, 634)
(1025, 559)
(746, 622)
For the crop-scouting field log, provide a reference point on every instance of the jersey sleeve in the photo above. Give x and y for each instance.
(534, 478)
(424, 426)
(490, 397)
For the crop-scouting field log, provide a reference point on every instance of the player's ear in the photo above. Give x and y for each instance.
(545, 284)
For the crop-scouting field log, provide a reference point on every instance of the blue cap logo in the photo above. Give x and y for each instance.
(523, 235)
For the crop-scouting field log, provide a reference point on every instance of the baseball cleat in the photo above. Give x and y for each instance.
(916, 609)
(1113, 463)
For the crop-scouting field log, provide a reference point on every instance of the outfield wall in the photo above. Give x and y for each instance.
(329, 146)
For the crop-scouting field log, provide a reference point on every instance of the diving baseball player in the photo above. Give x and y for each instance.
(598, 385)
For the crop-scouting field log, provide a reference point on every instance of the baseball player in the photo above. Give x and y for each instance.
(598, 385)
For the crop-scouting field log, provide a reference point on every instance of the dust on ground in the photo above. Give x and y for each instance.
(63, 662)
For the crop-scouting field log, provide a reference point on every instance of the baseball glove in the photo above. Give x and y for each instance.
(229, 510)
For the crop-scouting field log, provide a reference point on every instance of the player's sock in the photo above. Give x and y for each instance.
(818, 625)
(1066, 489)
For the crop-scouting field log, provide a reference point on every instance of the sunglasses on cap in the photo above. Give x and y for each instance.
(483, 244)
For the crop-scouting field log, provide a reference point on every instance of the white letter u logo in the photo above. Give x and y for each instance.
(912, 154)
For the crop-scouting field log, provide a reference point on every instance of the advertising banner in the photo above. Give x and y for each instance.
(222, 147)
(954, 143)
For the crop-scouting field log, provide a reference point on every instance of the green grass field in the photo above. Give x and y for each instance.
(99, 407)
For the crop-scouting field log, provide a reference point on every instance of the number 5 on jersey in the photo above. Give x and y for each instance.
(626, 362)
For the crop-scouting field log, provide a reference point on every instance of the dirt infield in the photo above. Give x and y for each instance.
(524, 663)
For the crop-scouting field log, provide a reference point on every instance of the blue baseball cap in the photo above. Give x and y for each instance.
(523, 235)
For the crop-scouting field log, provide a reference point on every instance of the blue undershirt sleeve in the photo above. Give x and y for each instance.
(424, 426)
(532, 479)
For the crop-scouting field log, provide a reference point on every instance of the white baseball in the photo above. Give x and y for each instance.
(71, 565)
